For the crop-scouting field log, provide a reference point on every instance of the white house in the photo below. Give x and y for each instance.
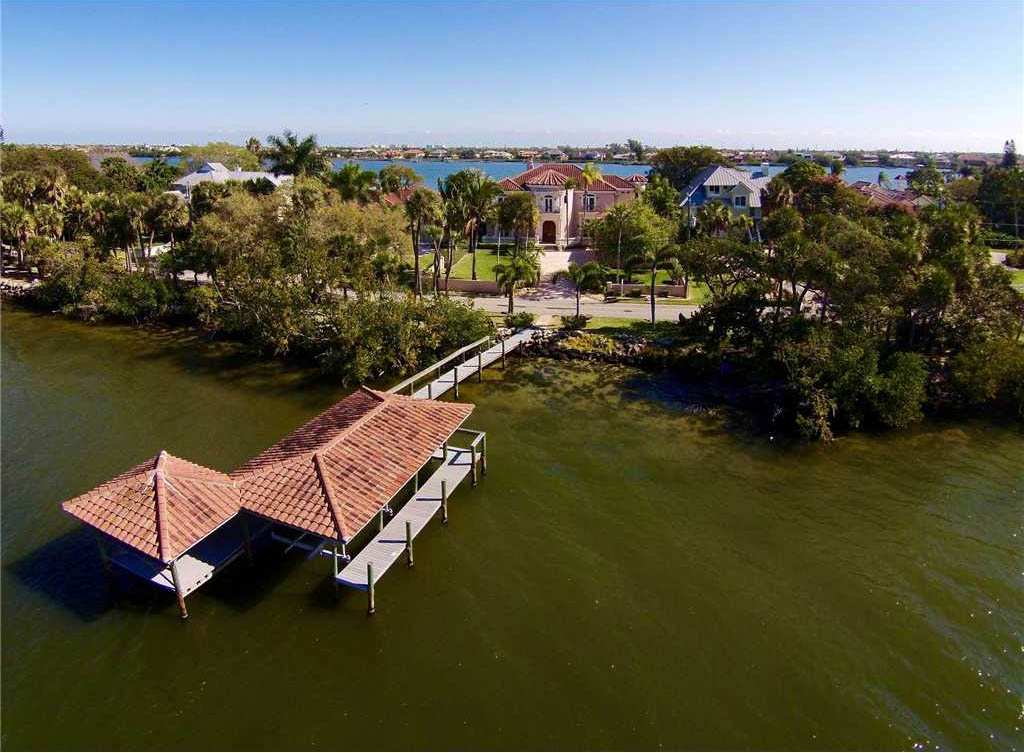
(215, 172)
(737, 189)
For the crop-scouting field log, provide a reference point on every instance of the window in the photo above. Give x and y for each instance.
(740, 201)
(713, 189)
(549, 204)
(590, 202)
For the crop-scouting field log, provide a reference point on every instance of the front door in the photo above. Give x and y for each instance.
(547, 232)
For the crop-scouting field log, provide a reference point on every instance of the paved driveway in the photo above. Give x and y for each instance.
(552, 261)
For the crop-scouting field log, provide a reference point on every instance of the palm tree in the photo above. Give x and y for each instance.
(452, 190)
(354, 183)
(618, 219)
(778, 194)
(653, 259)
(20, 187)
(254, 145)
(481, 192)
(584, 278)
(588, 176)
(76, 207)
(290, 156)
(422, 207)
(520, 212)
(714, 218)
(17, 224)
(521, 269)
(49, 221)
(569, 185)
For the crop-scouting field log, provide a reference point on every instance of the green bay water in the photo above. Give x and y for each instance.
(632, 573)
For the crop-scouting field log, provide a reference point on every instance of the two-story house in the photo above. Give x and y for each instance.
(562, 208)
(737, 189)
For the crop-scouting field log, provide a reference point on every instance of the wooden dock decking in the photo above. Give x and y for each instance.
(390, 543)
(470, 364)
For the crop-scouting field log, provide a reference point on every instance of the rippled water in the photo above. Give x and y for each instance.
(632, 573)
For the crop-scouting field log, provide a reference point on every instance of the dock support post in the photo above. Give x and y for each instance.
(416, 482)
(444, 501)
(479, 366)
(408, 543)
(380, 521)
(248, 540)
(430, 390)
(472, 455)
(178, 591)
(455, 371)
(483, 454)
(444, 452)
(370, 606)
(503, 354)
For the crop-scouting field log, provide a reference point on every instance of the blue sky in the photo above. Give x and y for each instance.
(935, 75)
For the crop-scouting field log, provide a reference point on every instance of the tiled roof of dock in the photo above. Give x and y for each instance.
(160, 507)
(332, 475)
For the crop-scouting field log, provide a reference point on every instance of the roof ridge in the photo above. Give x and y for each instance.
(161, 513)
(305, 456)
(357, 423)
(332, 506)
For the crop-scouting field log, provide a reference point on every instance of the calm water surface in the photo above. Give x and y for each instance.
(631, 574)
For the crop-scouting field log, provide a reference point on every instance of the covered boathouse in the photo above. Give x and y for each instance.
(176, 523)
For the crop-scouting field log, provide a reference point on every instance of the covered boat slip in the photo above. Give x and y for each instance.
(196, 566)
(395, 539)
(466, 362)
(175, 523)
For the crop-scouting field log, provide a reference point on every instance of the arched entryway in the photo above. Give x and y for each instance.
(547, 232)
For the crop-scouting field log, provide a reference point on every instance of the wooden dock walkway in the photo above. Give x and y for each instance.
(367, 567)
(466, 364)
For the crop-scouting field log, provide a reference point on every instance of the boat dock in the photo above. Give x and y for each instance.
(175, 523)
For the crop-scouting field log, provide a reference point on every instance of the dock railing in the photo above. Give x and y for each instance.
(435, 370)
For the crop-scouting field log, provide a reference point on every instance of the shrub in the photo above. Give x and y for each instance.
(520, 320)
(138, 297)
(635, 293)
(574, 322)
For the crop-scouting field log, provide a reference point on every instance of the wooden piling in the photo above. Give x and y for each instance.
(380, 521)
(408, 542)
(479, 366)
(444, 501)
(430, 390)
(483, 454)
(178, 590)
(455, 372)
(472, 455)
(370, 606)
(503, 353)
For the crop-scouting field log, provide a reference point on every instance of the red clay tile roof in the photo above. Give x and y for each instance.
(331, 476)
(637, 178)
(160, 507)
(556, 173)
(394, 198)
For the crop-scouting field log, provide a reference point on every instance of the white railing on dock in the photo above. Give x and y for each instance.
(466, 365)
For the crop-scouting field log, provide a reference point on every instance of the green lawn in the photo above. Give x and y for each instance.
(486, 259)
(1018, 276)
(603, 325)
(698, 294)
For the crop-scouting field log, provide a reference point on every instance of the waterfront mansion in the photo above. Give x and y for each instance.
(562, 199)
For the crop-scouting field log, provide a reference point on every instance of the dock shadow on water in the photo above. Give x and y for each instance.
(637, 570)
